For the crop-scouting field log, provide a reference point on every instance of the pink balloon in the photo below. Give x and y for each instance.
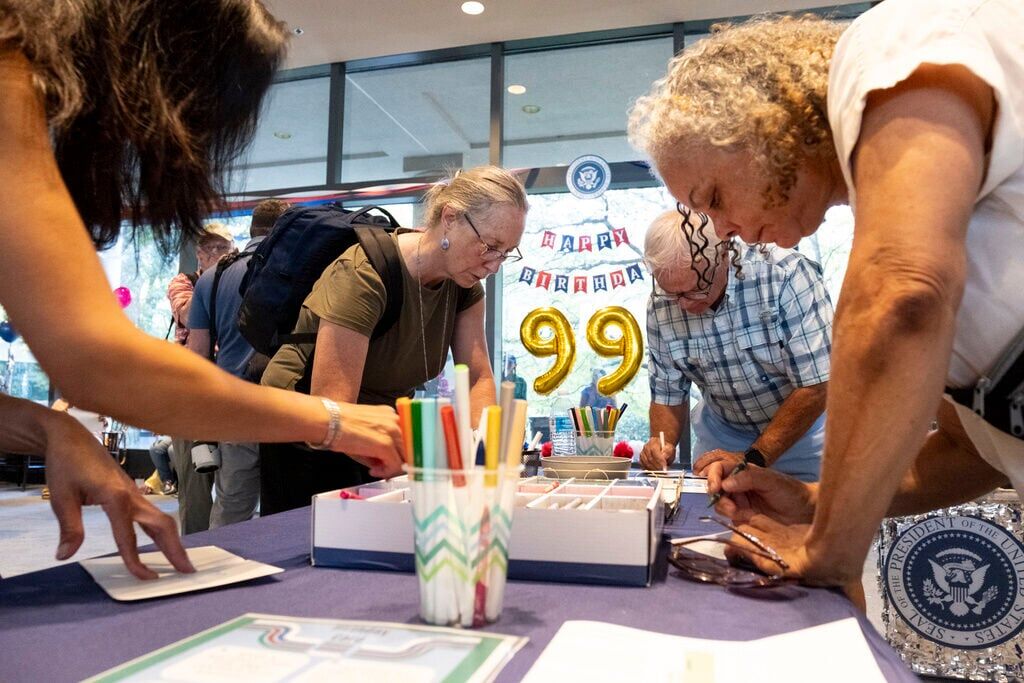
(124, 296)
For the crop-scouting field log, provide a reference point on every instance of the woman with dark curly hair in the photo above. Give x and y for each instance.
(131, 110)
(913, 115)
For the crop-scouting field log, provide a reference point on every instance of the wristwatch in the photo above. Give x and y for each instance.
(755, 457)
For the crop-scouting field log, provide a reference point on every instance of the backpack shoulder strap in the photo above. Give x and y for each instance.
(384, 257)
(222, 265)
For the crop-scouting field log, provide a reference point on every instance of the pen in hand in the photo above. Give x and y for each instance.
(713, 498)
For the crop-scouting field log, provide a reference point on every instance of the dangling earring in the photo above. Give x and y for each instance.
(445, 243)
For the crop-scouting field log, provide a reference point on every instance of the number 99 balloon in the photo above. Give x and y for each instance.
(561, 345)
(630, 345)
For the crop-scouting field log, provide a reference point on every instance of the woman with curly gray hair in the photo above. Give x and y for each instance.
(131, 109)
(913, 115)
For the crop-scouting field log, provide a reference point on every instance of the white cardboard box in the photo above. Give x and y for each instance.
(611, 538)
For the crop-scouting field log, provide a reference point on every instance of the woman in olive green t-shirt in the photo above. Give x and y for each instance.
(473, 224)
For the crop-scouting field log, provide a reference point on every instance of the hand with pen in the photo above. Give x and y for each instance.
(657, 455)
(757, 491)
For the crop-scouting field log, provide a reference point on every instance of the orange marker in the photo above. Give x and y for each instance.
(404, 408)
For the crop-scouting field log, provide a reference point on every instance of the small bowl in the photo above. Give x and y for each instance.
(586, 466)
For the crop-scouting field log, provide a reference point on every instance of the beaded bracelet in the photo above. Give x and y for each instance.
(333, 426)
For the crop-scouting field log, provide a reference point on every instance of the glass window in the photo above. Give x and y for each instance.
(290, 146)
(552, 123)
(138, 265)
(416, 121)
(610, 272)
(830, 247)
(20, 374)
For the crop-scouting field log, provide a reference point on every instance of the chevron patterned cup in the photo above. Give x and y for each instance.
(595, 443)
(462, 529)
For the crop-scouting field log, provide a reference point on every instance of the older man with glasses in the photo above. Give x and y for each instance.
(751, 326)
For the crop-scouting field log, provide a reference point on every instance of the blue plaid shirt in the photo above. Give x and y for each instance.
(771, 333)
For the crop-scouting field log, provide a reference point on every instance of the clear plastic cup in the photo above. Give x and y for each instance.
(595, 443)
(462, 525)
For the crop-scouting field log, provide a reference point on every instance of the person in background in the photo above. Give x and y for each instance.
(474, 222)
(215, 242)
(755, 338)
(590, 396)
(511, 376)
(912, 114)
(236, 482)
(122, 115)
(195, 498)
(164, 480)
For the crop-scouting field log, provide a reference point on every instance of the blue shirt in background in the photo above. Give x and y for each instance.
(234, 351)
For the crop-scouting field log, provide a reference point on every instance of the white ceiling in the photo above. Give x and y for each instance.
(414, 120)
(343, 30)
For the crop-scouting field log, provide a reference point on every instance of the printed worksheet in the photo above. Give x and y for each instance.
(262, 648)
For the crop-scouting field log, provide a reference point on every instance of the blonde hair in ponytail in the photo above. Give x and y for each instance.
(473, 191)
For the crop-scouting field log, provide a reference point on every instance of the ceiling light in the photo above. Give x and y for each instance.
(517, 89)
(282, 135)
(530, 109)
(473, 7)
(298, 31)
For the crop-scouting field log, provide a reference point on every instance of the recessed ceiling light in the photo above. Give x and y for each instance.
(473, 7)
(517, 89)
(298, 31)
(282, 135)
(530, 109)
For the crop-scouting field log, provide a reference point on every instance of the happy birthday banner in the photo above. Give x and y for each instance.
(580, 243)
(581, 284)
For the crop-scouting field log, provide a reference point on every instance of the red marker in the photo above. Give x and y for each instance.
(451, 442)
(349, 495)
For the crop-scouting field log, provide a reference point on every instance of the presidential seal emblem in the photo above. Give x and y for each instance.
(588, 177)
(958, 581)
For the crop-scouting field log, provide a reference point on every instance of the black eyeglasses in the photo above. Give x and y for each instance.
(490, 253)
(660, 294)
(697, 566)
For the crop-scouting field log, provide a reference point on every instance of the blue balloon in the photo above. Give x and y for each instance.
(7, 332)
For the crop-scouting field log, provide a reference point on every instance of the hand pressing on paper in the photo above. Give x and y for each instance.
(728, 460)
(791, 543)
(79, 471)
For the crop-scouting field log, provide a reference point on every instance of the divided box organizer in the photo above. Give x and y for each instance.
(609, 533)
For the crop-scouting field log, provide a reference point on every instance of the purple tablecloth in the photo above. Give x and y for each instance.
(57, 625)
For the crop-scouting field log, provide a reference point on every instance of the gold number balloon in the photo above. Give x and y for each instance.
(630, 345)
(561, 345)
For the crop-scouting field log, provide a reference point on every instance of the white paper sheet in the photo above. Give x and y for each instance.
(695, 485)
(706, 545)
(214, 567)
(581, 651)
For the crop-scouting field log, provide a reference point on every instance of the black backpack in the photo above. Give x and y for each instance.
(285, 266)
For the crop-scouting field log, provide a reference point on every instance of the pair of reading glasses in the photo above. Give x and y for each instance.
(697, 566)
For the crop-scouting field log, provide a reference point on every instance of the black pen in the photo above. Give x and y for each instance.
(715, 497)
